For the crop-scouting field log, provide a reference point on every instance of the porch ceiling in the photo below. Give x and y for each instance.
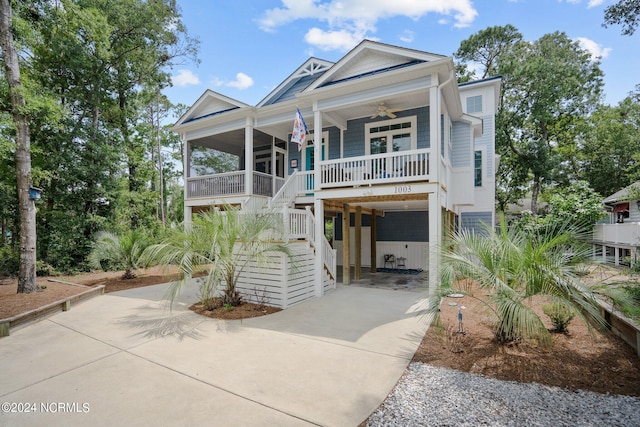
(415, 202)
(340, 115)
(232, 141)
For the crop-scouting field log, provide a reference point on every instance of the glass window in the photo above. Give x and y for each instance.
(401, 142)
(474, 104)
(378, 145)
(478, 169)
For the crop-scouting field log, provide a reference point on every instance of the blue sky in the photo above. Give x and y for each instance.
(248, 47)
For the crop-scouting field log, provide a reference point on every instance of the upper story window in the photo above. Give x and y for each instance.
(477, 169)
(474, 104)
(391, 135)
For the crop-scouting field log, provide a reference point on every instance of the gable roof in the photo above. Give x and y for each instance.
(620, 196)
(210, 104)
(299, 80)
(370, 58)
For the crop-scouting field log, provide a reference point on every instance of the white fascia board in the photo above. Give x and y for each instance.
(476, 124)
(215, 129)
(373, 46)
(202, 99)
(225, 121)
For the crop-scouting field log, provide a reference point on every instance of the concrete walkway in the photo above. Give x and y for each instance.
(125, 359)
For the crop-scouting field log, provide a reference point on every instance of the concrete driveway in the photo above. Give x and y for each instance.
(125, 359)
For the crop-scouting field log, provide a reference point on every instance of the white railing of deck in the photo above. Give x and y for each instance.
(287, 193)
(262, 184)
(222, 184)
(300, 224)
(228, 184)
(399, 166)
(277, 184)
(304, 183)
(626, 234)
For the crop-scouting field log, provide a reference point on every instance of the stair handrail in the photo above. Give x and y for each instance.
(287, 192)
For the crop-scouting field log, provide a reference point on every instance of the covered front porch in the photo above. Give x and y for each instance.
(370, 224)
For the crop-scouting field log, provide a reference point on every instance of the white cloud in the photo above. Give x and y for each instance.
(407, 36)
(216, 81)
(185, 78)
(596, 50)
(594, 3)
(590, 4)
(350, 20)
(331, 40)
(241, 82)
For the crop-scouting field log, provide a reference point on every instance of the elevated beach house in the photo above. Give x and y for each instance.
(617, 239)
(397, 153)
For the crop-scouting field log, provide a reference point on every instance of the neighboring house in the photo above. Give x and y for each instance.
(618, 240)
(397, 153)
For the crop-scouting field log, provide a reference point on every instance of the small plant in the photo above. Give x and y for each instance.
(454, 340)
(43, 287)
(231, 297)
(228, 307)
(560, 315)
(211, 303)
(261, 298)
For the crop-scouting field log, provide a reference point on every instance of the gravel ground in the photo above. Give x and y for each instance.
(431, 396)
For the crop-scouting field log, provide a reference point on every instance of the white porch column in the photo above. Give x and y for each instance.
(317, 145)
(434, 130)
(188, 217)
(248, 157)
(319, 232)
(435, 240)
(186, 165)
(274, 172)
(186, 172)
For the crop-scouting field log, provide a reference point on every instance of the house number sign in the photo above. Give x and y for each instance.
(403, 189)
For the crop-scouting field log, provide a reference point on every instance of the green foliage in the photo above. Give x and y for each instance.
(9, 261)
(549, 88)
(223, 243)
(122, 251)
(560, 315)
(485, 49)
(625, 13)
(511, 266)
(609, 156)
(206, 161)
(577, 206)
(88, 69)
(577, 203)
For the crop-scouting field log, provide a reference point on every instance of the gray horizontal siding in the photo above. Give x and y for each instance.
(461, 135)
(394, 226)
(476, 221)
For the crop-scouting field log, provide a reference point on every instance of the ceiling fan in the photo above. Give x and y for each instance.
(383, 111)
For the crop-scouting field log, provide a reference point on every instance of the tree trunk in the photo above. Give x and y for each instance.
(160, 166)
(535, 191)
(27, 208)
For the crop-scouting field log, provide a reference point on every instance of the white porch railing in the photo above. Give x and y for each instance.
(287, 192)
(625, 234)
(227, 184)
(300, 224)
(399, 166)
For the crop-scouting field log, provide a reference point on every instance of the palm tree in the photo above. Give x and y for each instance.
(122, 251)
(513, 265)
(223, 242)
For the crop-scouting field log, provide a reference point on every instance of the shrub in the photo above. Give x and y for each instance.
(9, 261)
(560, 314)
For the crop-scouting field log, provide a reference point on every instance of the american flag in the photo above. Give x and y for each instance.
(300, 130)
